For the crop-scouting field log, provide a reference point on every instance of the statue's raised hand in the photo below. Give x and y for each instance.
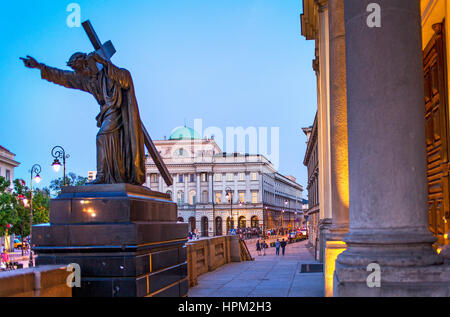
(30, 62)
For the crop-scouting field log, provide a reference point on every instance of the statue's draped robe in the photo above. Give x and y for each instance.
(120, 143)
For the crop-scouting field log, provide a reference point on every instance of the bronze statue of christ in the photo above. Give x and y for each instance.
(120, 141)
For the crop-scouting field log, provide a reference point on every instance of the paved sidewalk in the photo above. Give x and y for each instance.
(267, 276)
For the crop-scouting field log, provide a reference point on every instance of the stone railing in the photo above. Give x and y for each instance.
(208, 254)
(40, 281)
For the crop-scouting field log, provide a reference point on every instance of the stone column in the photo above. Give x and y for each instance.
(148, 181)
(160, 184)
(174, 193)
(323, 126)
(199, 194)
(186, 191)
(338, 122)
(248, 196)
(386, 136)
(210, 188)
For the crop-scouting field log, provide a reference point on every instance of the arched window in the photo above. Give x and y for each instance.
(242, 223)
(254, 222)
(180, 197)
(192, 224)
(204, 226)
(192, 197)
(218, 226)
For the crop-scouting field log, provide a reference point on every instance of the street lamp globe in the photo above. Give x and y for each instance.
(56, 165)
(37, 179)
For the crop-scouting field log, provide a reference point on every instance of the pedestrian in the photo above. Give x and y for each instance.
(277, 246)
(258, 247)
(264, 246)
(283, 246)
(4, 258)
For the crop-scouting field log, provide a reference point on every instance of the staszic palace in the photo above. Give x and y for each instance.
(216, 191)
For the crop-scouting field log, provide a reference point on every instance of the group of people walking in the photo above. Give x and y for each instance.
(262, 246)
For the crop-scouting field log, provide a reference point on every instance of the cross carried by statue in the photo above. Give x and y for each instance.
(106, 51)
(122, 135)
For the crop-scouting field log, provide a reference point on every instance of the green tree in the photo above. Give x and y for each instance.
(14, 211)
(71, 180)
(8, 204)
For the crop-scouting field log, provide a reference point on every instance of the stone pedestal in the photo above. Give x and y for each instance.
(125, 238)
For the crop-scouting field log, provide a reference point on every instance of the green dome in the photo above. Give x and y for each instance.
(184, 133)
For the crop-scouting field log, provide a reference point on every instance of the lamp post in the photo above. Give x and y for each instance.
(36, 169)
(59, 153)
(265, 216)
(229, 196)
(287, 203)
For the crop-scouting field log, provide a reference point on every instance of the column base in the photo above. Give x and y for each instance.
(337, 232)
(324, 230)
(399, 248)
(429, 281)
(333, 249)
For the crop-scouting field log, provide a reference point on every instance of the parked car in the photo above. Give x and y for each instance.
(17, 244)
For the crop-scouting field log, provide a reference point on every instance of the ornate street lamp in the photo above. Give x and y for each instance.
(59, 153)
(36, 169)
(229, 196)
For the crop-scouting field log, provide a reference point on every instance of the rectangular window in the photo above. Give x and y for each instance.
(229, 177)
(254, 197)
(153, 178)
(218, 177)
(192, 178)
(8, 175)
(180, 178)
(242, 197)
(203, 176)
(241, 176)
(254, 176)
(218, 197)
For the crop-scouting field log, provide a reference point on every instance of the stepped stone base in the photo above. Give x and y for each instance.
(125, 238)
(429, 281)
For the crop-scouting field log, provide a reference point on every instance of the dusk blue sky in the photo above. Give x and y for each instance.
(231, 63)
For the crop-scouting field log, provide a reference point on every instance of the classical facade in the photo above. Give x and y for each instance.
(383, 149)
(311, 161)
(216, 191)
(7, 164)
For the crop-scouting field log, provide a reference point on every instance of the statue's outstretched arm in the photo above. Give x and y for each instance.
(64, 78)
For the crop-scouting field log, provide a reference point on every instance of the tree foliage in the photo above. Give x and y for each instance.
(71, 180)
(15, 212)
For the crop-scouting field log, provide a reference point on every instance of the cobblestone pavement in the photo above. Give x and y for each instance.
(266, 276)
